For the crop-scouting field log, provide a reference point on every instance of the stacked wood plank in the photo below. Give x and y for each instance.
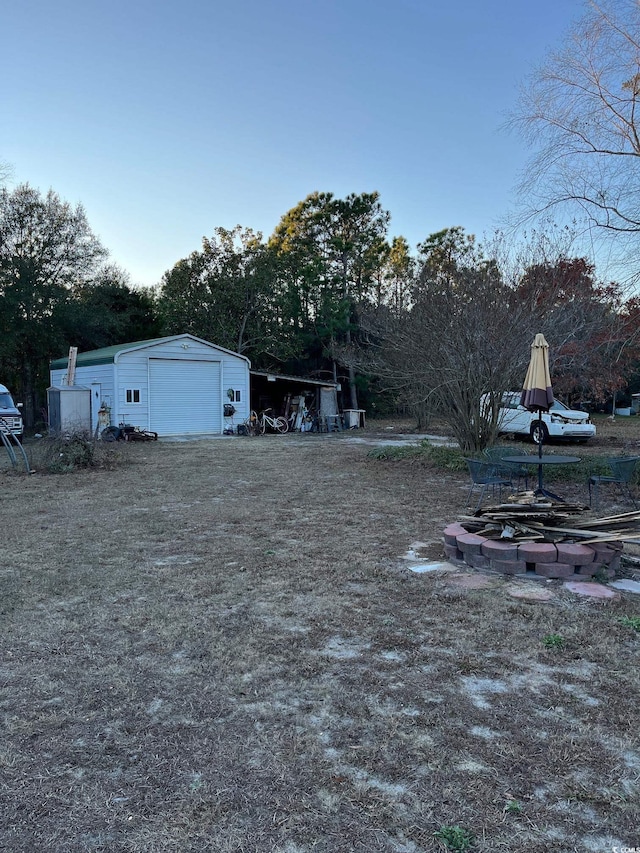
(528, 518)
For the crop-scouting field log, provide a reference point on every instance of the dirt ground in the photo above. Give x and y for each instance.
(217, 646)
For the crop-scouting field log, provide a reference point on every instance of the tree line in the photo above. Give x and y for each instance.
(328, 295)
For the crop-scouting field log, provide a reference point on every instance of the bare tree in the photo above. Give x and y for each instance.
(467, 334)
(581, 110)
(449, 349)
(6, 172)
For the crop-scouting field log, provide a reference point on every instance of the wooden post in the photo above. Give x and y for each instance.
(71, 367)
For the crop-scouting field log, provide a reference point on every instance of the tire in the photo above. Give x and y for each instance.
(539, 432)
(111, 433)
(281, 425)
(262, 424)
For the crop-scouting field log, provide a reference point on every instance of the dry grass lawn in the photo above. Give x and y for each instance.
(215, 646)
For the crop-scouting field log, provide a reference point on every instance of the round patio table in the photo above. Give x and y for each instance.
(540, 461)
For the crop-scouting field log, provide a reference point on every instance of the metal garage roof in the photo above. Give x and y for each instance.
(274, 377)
(107, 355)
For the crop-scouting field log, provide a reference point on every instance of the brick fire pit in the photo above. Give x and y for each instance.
(566, 560)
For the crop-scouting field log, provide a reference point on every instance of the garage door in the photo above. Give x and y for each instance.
(184, 396)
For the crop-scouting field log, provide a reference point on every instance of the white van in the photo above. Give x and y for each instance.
(10, 416)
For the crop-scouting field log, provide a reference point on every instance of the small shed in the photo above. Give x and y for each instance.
(177, 385)
(69, 408)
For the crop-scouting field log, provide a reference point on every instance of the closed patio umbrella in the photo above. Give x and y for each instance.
(537, 394)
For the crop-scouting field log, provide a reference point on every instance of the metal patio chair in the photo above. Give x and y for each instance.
(483, 475)
(622, 471)
(509, 470)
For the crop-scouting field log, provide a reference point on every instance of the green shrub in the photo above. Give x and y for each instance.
(425, 453)
(389, 452)
(444, 457)
(553, 641)
(454, 838)
(631, 622)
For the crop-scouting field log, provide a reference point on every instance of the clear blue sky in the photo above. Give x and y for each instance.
(167, 119)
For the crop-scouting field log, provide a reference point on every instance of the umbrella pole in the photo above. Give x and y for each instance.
(540, 489)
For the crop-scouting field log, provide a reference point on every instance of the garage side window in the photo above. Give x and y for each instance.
(237, 397)
(132, 395)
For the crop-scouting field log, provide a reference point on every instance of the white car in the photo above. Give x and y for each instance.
(558, 422)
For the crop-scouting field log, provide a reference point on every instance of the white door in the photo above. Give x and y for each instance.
(184, 396)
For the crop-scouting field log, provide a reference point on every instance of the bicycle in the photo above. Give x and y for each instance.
(257, 424)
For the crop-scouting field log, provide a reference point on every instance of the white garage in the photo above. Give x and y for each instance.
(177, 385)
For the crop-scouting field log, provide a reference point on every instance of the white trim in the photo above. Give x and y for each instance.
(149, 393)
(221, 375)
(161, 341)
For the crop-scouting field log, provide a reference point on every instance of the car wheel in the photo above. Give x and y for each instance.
(539, 432)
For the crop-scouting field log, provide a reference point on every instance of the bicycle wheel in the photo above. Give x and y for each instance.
(251, 424)
(281, 425)
(262, 423)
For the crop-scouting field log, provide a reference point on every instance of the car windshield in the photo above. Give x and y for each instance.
(512, 401)
(6, 402)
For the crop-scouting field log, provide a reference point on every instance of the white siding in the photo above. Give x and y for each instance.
(132, 372)
(86, 376)
(56, 377)
(235, 375)
(102, 373)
